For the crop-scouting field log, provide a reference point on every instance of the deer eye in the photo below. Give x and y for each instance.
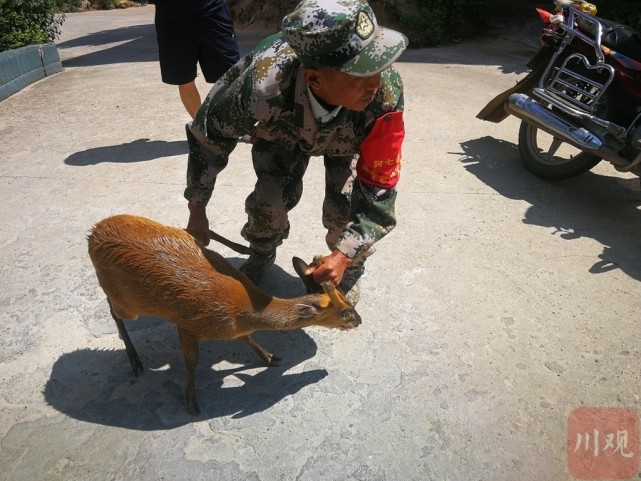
(346, 314)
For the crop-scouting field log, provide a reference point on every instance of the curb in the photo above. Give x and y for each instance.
(23, 66)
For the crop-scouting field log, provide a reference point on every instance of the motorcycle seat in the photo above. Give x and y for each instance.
(618, 37)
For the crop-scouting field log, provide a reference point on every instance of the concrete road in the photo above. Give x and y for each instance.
(499, 305)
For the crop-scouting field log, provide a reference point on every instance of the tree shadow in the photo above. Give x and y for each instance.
(140, 150)
(600, 207)
(98, 386)
(134, 44)
(509, 47)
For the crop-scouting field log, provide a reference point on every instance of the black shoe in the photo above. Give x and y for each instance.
(256, 265)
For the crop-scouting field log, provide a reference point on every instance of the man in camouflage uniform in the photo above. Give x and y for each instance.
(323, 87)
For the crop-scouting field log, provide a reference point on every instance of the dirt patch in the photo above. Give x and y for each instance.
(258, 17)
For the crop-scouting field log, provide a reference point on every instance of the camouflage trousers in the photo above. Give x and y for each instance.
(278, 190)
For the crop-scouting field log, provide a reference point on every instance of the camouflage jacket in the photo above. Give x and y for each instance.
(264, 95)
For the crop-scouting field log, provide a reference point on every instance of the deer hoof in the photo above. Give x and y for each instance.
(136, 366)
(274, 361)
(194, 410)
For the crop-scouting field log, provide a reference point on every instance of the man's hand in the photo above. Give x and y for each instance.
(198, 224)
(330, 268)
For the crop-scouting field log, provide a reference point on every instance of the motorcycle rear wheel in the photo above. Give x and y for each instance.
(549, 158)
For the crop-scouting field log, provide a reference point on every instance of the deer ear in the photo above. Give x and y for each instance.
(305, 311)
(300, 266)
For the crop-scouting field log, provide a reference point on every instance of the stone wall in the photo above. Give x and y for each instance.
(23, 66)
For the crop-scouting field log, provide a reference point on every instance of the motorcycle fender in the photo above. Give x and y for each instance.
(541, 58)
(494, 111)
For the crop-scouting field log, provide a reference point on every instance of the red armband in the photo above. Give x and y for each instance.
(380, 160)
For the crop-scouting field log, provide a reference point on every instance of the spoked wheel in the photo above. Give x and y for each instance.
(550, 158)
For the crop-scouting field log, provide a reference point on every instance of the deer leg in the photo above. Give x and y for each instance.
(267, 356)
(134, 360)
(190, 347)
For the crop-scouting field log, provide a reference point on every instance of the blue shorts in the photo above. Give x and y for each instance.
(186, 39)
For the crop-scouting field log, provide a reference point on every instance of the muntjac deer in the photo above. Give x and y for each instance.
(146, 268)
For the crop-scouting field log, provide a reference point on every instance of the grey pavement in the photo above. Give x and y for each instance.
(499, 305)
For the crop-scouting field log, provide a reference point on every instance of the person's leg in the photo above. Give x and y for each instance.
(216, 51)
(190, 97)
(218, 45)
(177, 52)
(278, 189)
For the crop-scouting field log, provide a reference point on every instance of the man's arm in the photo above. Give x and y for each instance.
(373, 199)
(373, 217)
(221, 120)
(224, 116)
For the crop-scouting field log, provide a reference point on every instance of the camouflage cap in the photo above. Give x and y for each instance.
(342, 34)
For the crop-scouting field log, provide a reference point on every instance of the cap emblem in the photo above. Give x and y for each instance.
(364, 26)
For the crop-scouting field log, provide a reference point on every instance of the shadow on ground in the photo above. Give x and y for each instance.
(133, 44)
(140, 150)
(99, 387)
(127, 44)
(137, 43)
(600, 207)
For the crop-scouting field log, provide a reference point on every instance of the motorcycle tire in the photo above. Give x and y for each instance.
(534, 150)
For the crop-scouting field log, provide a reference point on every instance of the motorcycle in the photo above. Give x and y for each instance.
(581, 101)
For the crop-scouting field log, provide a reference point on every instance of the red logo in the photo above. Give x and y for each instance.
(603, 443)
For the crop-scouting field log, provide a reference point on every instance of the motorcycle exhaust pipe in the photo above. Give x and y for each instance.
(523, 107)
(526, 109)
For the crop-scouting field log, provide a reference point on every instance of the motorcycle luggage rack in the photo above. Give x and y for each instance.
(567, 86)
(576, 88)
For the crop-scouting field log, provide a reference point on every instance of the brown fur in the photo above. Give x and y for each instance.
(146, 268)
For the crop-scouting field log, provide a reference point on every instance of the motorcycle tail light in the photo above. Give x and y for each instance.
(544, 15)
